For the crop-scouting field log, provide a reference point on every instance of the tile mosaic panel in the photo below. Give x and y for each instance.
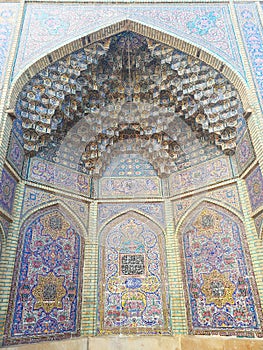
(252, 33)
(199, 176)
(254, 182)
(34, 197)
(244, 152)
(259, 224)
(56, 175)
(129, 165)
(130, 187)
(8, 14)
(225, 195)
(47, 27)
(221, 293)
(153, 209)
(7, 191)
(5, 225)
(132, 285)
(15, 154)
(45, 300)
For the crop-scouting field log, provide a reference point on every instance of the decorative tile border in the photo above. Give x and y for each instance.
(252, 33)
(254, 182)
(130, 187)
(210, 172)
(8, 14)
(48, 173)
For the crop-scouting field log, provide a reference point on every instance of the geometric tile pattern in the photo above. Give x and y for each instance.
(7, 191)
(133, 283)
(221, 293)
(45, 300)
(254, 182)
(129, 165)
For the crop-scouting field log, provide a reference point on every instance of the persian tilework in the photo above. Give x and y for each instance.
(205, 174)
(45, 302)
(129, 165)
(222, 296)
(254, 182)
(225, 195)
(8, 13)
(56, 175)
(46, 27)
(244, 152)
(34, 197)
(18, 131)
(153, 209)
(7, 191)
(15, 154)
(130, 187)
(251, 29)
(132, 286)
(5, 225)
(259, 224)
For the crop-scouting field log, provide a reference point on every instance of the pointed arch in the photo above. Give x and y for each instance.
(132, 284)
(172, 40)
(45, 302)
(217, 272)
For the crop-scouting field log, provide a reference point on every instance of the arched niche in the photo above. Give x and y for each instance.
(220, 288)
(133, 295)
(45, 300)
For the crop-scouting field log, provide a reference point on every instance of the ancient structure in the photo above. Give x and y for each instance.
(131, 191)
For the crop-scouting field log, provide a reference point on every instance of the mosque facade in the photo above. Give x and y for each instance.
(131, 158)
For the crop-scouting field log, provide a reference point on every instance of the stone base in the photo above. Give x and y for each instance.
(148, 343)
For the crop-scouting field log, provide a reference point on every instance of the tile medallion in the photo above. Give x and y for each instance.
(222, 296)
(45, 302)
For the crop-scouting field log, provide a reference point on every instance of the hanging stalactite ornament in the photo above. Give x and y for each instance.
(125, 81)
